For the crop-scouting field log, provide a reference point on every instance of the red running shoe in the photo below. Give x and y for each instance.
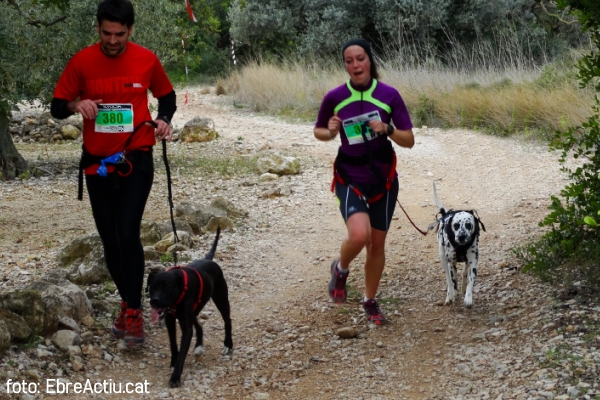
(134, 322)
(373, 312)
(118, 328)
(337, 284)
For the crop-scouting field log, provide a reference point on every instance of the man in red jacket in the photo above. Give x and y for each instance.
(107, 83)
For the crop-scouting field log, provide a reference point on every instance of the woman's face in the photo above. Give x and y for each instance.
(358, 65)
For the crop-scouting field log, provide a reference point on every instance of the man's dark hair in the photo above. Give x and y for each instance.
(120, 11)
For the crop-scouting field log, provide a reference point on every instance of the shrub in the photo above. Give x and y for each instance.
(570, 250)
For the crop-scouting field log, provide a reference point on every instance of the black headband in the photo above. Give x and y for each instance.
(358, 42)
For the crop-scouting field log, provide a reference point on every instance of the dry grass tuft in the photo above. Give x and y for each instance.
(509, 101)
(220, 90)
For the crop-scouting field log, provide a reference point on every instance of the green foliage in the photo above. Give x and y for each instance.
(554, 76)
(424, 112)
(33, 342)
(166, 258)
(207, 43)
(264, 27)
(570, 250)
(433, 28)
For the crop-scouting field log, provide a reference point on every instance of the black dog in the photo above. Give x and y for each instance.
(180, 293)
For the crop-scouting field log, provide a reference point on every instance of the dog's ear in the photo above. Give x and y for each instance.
(150, 279)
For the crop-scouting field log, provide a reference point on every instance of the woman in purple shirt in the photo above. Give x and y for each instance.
(365, 182)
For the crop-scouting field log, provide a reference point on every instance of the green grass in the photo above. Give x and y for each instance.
(109, 286)
(166, 258)
(33, 342)
(390, 301)
(352, 293)
(594, 333)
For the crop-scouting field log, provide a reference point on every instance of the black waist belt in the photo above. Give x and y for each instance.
(384, 155)
(122, 168)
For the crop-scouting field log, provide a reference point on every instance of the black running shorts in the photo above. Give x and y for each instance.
(380, 212)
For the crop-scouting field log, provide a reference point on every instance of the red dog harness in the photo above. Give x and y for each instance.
(185, 288)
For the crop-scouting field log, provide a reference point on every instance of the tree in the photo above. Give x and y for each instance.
(570, 250)
(38, 37)
(317, 28)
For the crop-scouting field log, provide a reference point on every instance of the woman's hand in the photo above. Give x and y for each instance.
(378, 127)
(334, 125)
(333, 129)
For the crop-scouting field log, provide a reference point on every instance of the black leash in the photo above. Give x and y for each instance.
(118, 157)
(170, 197)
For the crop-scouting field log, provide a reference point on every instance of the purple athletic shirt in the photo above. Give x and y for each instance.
(353, 113)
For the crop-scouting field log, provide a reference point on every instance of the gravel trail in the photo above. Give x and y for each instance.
(517, 342)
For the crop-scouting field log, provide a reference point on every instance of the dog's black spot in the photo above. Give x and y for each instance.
(475, 271)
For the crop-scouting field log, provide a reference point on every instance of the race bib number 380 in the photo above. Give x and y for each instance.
(114, 118)
(353, 127)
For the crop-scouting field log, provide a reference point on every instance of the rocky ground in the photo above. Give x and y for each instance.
(518, 341)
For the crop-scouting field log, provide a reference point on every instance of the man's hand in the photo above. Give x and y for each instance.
(87, 108)
(163, 131)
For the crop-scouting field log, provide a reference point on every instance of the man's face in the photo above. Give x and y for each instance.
(113, 37)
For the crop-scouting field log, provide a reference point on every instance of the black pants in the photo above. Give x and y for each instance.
(118, 206)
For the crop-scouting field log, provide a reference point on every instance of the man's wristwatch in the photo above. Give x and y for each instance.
(390, 129)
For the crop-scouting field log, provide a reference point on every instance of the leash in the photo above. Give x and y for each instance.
(170, 198)
(424, 233)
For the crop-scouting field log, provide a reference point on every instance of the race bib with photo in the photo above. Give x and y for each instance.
(353, 127)
(114, 118)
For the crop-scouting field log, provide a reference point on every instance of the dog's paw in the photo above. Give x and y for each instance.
(227, 351)
(175, 383)
(198, 351)
(449, 300)
(468, 301)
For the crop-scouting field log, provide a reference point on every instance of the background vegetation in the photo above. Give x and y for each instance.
(506, 66)
(569, 253)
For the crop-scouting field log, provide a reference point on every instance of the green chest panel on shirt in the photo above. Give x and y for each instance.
(367, 96)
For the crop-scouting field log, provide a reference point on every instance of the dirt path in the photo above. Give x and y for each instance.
(277, 269)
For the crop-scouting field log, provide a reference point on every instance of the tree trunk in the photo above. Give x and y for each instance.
(12, 164)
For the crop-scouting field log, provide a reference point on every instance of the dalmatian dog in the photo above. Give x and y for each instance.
(458, 239)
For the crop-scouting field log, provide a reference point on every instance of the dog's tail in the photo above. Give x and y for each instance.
(437, 201)
(211, 254)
